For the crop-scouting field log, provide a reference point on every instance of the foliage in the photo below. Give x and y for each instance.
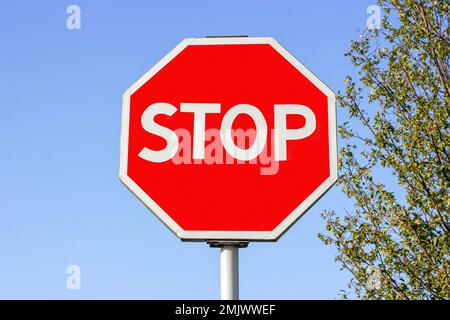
(401, 101)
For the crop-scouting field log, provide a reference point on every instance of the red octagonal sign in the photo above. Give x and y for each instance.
(228, 138)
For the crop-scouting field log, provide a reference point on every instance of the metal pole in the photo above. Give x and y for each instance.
(229, 266)
(229, 272)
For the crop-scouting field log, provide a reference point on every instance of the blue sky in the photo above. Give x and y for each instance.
(61, 202)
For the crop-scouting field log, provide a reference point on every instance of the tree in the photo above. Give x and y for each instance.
(400, 101)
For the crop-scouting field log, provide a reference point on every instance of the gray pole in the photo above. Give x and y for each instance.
(229, 272)
(229, 267)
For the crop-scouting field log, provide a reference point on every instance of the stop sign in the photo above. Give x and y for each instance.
(228, 139)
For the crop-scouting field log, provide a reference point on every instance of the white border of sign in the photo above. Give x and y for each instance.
(229, 235)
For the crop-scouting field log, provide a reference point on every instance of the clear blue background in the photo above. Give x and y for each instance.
(61, 202)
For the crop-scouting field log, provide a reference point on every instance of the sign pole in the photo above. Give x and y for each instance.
(229, 267)
(229, 272)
